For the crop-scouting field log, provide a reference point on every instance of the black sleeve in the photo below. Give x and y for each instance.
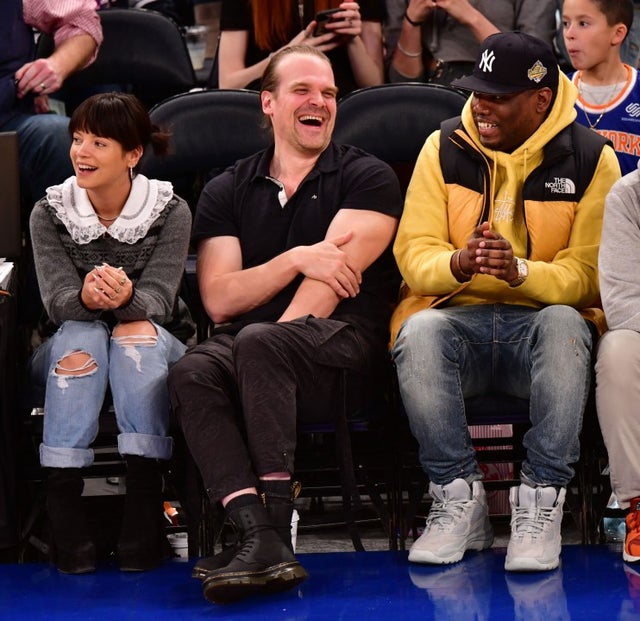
(215, 210)
(370, 184)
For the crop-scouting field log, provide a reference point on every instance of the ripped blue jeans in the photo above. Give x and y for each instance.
(135, 368)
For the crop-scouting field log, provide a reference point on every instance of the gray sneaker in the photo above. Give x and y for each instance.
(536, 519)
(458, 521)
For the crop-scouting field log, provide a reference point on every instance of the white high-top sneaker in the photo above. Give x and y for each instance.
(538, 597)
(458, 521)
(536, 520)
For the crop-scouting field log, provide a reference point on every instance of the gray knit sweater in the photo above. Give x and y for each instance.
(619, 253)
(68, 242)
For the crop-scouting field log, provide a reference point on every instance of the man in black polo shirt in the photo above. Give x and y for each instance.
(294, 268)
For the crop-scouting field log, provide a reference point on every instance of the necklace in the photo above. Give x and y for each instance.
(607, 98)
(107, 219)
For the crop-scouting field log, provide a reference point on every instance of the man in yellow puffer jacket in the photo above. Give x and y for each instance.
(498, 248)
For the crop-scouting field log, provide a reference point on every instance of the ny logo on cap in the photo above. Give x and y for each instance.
(486, 60)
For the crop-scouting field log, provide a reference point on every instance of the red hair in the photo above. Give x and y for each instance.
(273, 21)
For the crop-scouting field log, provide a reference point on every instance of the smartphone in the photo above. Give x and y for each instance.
(322, 17)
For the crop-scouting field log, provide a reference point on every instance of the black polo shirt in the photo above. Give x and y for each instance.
(243, 202)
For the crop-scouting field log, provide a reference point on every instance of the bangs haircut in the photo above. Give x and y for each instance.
(118, 116)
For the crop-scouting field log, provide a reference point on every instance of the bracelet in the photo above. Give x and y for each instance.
(409, 54)
(459, 267)
(406, 16)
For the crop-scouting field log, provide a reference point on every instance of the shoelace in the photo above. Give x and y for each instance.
(442, 513)
(532, 521)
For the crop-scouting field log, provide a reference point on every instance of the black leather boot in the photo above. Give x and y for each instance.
(262, 563)
(143, 543)
(277, 497)
(73, 551)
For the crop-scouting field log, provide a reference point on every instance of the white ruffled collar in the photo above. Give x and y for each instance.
(147, 200)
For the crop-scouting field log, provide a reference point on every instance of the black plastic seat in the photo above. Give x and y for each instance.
(143, 52)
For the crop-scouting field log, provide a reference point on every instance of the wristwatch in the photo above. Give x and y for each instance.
(523, 272)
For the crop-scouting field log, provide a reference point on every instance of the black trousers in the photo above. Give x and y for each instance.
(238, 398)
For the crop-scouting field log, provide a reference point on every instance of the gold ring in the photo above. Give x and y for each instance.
(43, 86)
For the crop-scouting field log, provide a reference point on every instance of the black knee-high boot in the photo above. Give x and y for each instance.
(277, 496)
(73, 550)
(143, 544)
(262, 563)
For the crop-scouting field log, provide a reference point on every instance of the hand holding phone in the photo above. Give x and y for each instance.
(322, 18)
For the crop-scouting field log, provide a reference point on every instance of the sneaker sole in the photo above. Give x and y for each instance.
(629, 558)
(529, 564)
(234, 586)
(431, 558)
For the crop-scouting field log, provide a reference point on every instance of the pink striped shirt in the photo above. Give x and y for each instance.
(64, 18)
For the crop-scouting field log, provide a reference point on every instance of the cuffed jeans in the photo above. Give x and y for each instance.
(135, 368)
(237, 399)
(444, 356)
(617, 398)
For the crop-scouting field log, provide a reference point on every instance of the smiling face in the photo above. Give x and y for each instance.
(589, 38)
(302, 107)
(101, 164)
(504, 122)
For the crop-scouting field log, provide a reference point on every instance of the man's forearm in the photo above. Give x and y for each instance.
(73, 54)
(313, 297)
(228, 295)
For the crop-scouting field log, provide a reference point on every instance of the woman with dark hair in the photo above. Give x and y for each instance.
(252, 30)
(109, 248)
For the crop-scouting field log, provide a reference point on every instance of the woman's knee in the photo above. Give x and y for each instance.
(136, 333)
(77, 347)
(76, 363)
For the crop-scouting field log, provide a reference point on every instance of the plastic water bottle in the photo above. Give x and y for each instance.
(614, 527)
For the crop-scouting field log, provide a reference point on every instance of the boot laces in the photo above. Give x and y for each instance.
(445, 513)
(532, 520)
(246, 549)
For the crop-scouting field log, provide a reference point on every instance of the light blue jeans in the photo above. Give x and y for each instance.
(446, 355)
(136, 370)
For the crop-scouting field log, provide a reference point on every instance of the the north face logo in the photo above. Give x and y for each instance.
(561, 185)
(486, 61)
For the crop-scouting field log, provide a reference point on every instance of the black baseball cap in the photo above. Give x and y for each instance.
(511, 62)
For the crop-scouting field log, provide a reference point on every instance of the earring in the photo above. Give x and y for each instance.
(131, 173)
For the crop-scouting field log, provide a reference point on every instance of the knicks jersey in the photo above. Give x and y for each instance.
(618, 119)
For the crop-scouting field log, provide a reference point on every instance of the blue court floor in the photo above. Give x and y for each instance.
(592, 583)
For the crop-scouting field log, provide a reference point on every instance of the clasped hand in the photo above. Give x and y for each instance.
(325, 261)
(419, 10)
(106, 288)
(488, 252)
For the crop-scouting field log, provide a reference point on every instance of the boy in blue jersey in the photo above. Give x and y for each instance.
(608, 90)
